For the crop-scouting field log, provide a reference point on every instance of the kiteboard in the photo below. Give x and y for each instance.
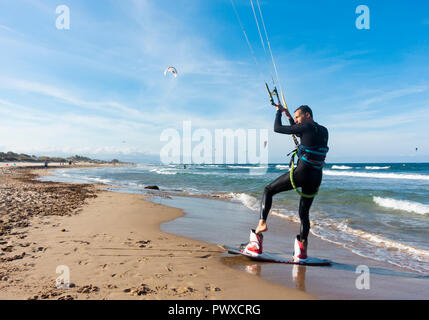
(277, 258)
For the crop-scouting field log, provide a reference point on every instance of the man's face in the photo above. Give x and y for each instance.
(300, 117)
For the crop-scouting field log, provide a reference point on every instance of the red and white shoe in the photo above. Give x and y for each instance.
(300, 250)
(254, 247)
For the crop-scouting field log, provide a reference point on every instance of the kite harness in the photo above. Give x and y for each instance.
(313, 156)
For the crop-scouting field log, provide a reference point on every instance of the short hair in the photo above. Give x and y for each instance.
(304, 109)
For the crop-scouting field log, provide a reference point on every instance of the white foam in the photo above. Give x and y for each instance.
(242, 167)
(282, 167)
(86, 178)
(341, 167)
(377, 168)
(383, 241)
(378, 175)
(163, 171)
(365, 244)
(247, 200)
(404, 205)
(285, 214)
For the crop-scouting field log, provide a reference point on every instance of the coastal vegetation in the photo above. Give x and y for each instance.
(22, 157)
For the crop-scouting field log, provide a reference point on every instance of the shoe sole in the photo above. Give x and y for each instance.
(297, 260)
(251, 253)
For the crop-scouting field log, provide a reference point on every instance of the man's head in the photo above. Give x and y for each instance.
(303, 114)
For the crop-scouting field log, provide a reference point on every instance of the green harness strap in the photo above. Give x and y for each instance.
(292, 160)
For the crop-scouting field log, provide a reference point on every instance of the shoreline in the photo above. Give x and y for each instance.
(251, 203)
(196, 228)
(338, 281)
(114, 249)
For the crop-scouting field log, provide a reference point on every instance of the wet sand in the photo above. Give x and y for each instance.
(229, 223)
(109, 245)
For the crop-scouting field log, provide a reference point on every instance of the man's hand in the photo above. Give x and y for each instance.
(287, 113)
(279, 107)
(283, 109)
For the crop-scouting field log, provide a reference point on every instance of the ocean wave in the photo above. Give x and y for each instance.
(62, 177)
(403, 205)
(163, 171)
(336, 167)
(360, 242)
(378, 175)
(246, 199)
(377, 168)
(285, 214)
(240, 167)
(282, 167)
(365, 244)
(101, 180)
(145, 166)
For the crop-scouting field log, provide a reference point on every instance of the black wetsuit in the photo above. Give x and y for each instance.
(305, 175)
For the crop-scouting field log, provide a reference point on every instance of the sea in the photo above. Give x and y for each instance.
(379, 211)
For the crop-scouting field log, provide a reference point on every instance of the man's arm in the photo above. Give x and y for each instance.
(292, 129)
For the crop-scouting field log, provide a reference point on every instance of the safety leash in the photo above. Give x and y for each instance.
(292, 167)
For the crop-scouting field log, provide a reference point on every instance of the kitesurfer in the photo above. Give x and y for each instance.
(311, 153)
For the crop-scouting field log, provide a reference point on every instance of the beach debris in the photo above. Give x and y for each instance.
(182, 290)
(212, 288)
(141, 290)
(110, 286)
(38, 249)
(22, 198)
(88, 289)
(48, 293)
(51, 291)
(7, 249)
(16, 257)
(143, 243)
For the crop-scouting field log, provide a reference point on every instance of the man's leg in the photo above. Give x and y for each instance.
(312, 182)
(281, 184)
(304, 215)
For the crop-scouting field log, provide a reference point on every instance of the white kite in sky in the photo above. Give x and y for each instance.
(172, 70)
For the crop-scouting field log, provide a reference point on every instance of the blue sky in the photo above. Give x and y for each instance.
(99, 90)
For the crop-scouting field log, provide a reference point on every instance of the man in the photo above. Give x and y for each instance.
(308, 175)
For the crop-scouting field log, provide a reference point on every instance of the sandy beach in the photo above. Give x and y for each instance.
(111, 246)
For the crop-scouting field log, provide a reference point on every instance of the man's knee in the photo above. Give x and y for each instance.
(268, 190)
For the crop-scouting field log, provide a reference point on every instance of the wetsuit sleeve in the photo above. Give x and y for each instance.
(292, 129)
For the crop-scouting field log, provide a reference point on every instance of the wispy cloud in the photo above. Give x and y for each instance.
(2, 27)
(383, 97)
